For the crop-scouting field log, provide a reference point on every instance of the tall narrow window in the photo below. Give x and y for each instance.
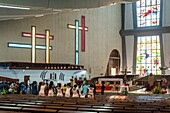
(148, 13)
(148, 47)
(148, 55)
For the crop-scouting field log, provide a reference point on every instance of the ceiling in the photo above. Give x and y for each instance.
(39, 8)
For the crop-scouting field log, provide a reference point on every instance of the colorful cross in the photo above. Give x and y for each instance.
(83, 28)
(33, 45)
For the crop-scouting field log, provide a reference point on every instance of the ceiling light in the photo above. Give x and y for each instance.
(14, 7)
(18, 18)
(39, 15)
(114, 3)
(57, 10)
(76, 9)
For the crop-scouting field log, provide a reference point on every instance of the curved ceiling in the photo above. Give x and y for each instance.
(42, 7)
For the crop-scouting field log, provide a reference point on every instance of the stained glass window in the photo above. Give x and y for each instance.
(148, 13)
(148, 47)
(148, 55)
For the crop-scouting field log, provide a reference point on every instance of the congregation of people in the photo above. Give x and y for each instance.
(83, 90)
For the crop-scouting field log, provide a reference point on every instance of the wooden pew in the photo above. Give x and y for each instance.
(66, 111)
(61, 108)
(10, 108)
(39, 110)
(94, 110)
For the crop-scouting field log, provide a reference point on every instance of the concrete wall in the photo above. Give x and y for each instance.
(101, 38)
(128, 17)
(129, 53)
(166, 36)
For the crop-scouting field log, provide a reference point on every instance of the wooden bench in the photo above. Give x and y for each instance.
(39, 110)
(78, 106)
(29, 106)
(130, 111)
(108, 107)
(11, 112)
(94, 110)
(7, 104)
(9, 108)
(141, 109)
(66, 111)
(61, 108)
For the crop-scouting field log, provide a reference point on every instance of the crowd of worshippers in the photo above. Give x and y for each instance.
(83, 90)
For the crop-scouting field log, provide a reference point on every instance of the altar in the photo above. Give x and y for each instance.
(112, 85)
(119, 80)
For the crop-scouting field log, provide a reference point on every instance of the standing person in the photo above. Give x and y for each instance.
(46, 89)
(68, 90)
(72, 81)
(64, 89)
(102, 88)
(23, 88)
(34, 88)
(11, 88)
(42, 88)
(94, 91)
(85, 89)
(18, 88)
(59, 90)
(75, 91)
(80, 89)
(91, 91)
(51, 89)
(28, 87)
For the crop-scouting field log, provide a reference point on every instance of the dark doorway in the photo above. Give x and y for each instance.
(113, 65)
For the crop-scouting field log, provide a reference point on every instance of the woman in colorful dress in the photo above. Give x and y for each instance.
(68, 91)
(91, 92)
(42, 88)
(59, 90)
(75, 91)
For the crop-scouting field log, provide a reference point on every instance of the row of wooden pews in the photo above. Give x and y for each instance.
(101, 104)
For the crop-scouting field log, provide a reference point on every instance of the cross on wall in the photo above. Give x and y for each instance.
(33, 46)
(83, 28)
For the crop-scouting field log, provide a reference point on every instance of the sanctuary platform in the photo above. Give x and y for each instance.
(129, 77)
(145, 79)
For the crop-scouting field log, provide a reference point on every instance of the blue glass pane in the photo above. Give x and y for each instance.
(77, 35)
(26, 46)
(77, 58)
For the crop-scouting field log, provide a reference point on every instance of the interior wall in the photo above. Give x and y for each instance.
(129, 39)
(102, 37)
(129, 53)
(165, 36)
(128, 17)
(166, 14)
